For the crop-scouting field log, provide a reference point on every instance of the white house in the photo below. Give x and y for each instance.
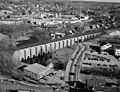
(117, 50)
(104, 47)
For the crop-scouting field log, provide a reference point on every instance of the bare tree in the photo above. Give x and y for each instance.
(7, 44)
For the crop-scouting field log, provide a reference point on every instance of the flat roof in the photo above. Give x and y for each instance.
(36, 68)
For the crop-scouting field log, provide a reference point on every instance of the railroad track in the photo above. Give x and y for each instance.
(74, 69)
(77, 68)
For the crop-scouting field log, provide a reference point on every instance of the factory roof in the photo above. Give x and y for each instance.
(36, 68)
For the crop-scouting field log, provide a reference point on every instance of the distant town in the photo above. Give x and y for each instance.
(59, 46)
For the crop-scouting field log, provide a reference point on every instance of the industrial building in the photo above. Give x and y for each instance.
(36, 71)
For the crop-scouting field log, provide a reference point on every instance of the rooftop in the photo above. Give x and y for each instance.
(36, 68)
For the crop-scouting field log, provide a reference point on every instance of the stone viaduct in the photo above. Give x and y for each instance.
(34, 51)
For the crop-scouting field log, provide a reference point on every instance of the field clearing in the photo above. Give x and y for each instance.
(64, 54)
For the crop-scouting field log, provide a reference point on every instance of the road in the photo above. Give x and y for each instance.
(79, 63)
(15, 85)
(69, 65)
(73, 67)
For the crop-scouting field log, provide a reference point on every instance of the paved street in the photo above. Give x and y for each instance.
(80, 63)
(77, 55)
(19, 85)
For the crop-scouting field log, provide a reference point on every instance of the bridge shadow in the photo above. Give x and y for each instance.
(41, 59)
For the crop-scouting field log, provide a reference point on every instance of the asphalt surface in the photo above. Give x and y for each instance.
(80, 63)
(75, 63)
(13, 84)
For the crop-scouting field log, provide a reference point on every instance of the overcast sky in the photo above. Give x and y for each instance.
(101, 0)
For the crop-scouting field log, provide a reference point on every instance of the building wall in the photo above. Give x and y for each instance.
(46, 72)
(30, 74)
(45, 48)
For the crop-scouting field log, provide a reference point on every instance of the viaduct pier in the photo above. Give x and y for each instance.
(30, 52)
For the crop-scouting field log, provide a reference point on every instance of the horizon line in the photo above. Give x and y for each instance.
(109, 1)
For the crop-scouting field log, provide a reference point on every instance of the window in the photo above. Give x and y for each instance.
(28, 21)
(104, 65)
(87, 63)
(98, 65)
(84, 63)
(108, 60)
(5, 12)
(72, 59)
(110, 65)
(22, 60)
(95, 59)
(28, 58)
(91, 51)
(80, 40)
(71, 73)
(89, 58)
(115, 65)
